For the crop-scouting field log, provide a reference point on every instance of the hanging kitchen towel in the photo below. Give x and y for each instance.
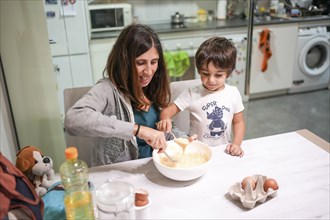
(264, 46)
(169, 61)
(182, 63)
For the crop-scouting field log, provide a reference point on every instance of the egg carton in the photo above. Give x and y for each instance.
(249, 197)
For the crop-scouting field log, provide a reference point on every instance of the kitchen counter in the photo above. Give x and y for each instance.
(214, 25)
(299, 161)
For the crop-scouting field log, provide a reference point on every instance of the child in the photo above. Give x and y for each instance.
(215, 107)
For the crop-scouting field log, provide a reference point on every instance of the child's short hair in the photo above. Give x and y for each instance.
(219, 50)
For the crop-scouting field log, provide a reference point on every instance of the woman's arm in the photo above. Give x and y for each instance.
(94, 115)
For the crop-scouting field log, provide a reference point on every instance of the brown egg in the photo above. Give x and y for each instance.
(139, 203)
(245, 181)
(270, 183)
(141, 197)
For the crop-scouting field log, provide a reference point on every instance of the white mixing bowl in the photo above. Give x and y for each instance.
(194, 149)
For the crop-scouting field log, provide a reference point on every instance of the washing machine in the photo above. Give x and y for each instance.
(311, 69)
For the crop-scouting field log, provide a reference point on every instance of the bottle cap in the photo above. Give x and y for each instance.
(71, 153)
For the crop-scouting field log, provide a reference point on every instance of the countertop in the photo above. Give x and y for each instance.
(299, 161)
(214, 25)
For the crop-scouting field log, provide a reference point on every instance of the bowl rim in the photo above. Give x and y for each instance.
(183, 168)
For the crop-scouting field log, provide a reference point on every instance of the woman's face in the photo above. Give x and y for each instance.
(213, 78)
(146, 65)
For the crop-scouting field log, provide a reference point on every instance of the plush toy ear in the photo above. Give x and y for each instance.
(22, 164)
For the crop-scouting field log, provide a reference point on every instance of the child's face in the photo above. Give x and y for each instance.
(213, 78)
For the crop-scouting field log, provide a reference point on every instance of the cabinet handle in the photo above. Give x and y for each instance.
(51, 41)
(56, 68)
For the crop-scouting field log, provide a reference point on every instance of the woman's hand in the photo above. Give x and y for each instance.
(234, 150)
(156, 139)
(164, 125)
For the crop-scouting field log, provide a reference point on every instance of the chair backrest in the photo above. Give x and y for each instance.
(181, 120)
(83, 144)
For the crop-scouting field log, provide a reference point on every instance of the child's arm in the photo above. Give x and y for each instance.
(238, 134)
(165, 118)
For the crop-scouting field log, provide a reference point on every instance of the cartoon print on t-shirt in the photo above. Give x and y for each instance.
(217, 127)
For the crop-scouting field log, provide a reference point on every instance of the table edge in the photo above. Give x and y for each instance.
(315, 139)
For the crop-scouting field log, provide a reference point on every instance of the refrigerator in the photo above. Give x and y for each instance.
(69, 44)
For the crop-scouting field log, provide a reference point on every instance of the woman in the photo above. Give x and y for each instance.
(122, 109)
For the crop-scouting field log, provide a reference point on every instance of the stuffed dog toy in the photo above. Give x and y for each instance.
(36, 167)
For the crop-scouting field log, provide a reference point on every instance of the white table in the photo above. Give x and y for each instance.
(300, 166)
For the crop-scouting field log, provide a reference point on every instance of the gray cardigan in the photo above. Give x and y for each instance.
(107, 116)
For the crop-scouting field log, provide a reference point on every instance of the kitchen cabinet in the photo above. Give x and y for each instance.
(67, 28)
(68, 39)
(71, 71)
(187, 41)
(278, 75)
(100, 49)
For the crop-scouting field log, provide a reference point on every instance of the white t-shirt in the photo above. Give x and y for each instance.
(211, 113)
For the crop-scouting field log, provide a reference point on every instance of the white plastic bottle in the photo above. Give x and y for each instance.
(222, 9)
(78, 199)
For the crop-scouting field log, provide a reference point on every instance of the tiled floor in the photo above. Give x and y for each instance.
(280, 114)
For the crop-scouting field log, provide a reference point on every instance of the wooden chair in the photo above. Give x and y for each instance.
(83, 144)
(181, 120)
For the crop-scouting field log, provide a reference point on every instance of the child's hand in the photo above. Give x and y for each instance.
(164, 125)
(234, 150)
(192, 138)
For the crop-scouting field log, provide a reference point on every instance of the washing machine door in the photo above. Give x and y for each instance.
(314, 56)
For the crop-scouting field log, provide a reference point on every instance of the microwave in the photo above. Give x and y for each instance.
(109, 17)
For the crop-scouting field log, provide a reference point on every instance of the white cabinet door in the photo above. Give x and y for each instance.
(64, 78)
(100, 50)
(76, 29)
(57, 35)
(71, 71)
(279, 73)
(81, 70)
(67, 32)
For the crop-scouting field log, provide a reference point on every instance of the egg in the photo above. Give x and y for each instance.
(141, 197)
(270, 183)
(139, 203)
(245, 181)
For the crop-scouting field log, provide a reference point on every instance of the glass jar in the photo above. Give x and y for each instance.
(115, 200)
